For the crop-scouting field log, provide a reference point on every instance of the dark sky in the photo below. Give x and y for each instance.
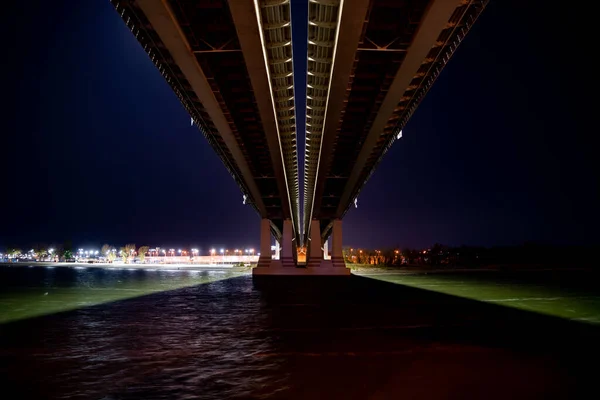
(96, 148)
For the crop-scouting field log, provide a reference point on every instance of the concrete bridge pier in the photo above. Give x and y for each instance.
(287, 247)
(315, 255)
(286, 265)
(264, 261)
(337, 257)
(319, 263)
(268, 265)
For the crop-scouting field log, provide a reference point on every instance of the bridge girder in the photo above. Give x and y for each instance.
(369, 64)
(397, 50)
(228, 62)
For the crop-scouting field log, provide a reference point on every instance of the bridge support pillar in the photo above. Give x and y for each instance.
(264, 261)
(287, 247)
(315, 256)
(337, 257)
(326, 250)
(287, 265)
(277, 247)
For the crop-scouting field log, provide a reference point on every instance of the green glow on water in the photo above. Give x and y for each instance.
(27, 292)
(560, 300)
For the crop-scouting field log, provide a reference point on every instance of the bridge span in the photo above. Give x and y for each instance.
(369, 64)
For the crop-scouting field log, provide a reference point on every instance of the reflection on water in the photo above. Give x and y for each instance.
(184, 335)
(558, 293)
(36, 291)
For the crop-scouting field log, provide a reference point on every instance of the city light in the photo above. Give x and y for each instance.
(399, 135)
(129, 255)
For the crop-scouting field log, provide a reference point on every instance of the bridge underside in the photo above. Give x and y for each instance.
(369, 64)
(229, 63)
(363, 86)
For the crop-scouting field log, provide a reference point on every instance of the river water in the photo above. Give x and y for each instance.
(70, 333)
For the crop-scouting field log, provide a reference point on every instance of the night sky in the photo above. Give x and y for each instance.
(97, 149)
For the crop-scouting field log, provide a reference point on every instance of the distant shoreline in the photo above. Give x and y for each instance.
(357, 269)
(146, 267)
(366, 269)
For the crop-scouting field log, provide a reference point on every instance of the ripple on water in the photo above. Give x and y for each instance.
(214, 335)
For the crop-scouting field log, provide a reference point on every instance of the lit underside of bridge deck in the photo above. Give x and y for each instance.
(369, 64)
(230, 65)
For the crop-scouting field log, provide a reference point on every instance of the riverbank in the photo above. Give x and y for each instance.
(357, 269)
(146, 267)
(369, 269)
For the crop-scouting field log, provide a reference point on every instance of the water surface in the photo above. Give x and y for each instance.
(176, 335)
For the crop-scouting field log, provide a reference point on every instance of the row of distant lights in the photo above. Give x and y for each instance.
(195, 251)
(379, 251)
(82, 252)
(50, 251)
(31, 252)
(88, 253)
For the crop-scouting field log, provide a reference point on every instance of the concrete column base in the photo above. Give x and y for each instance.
(308, 271)
(312, 263)
(264, 262)
(338, 262)
(288, 262)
